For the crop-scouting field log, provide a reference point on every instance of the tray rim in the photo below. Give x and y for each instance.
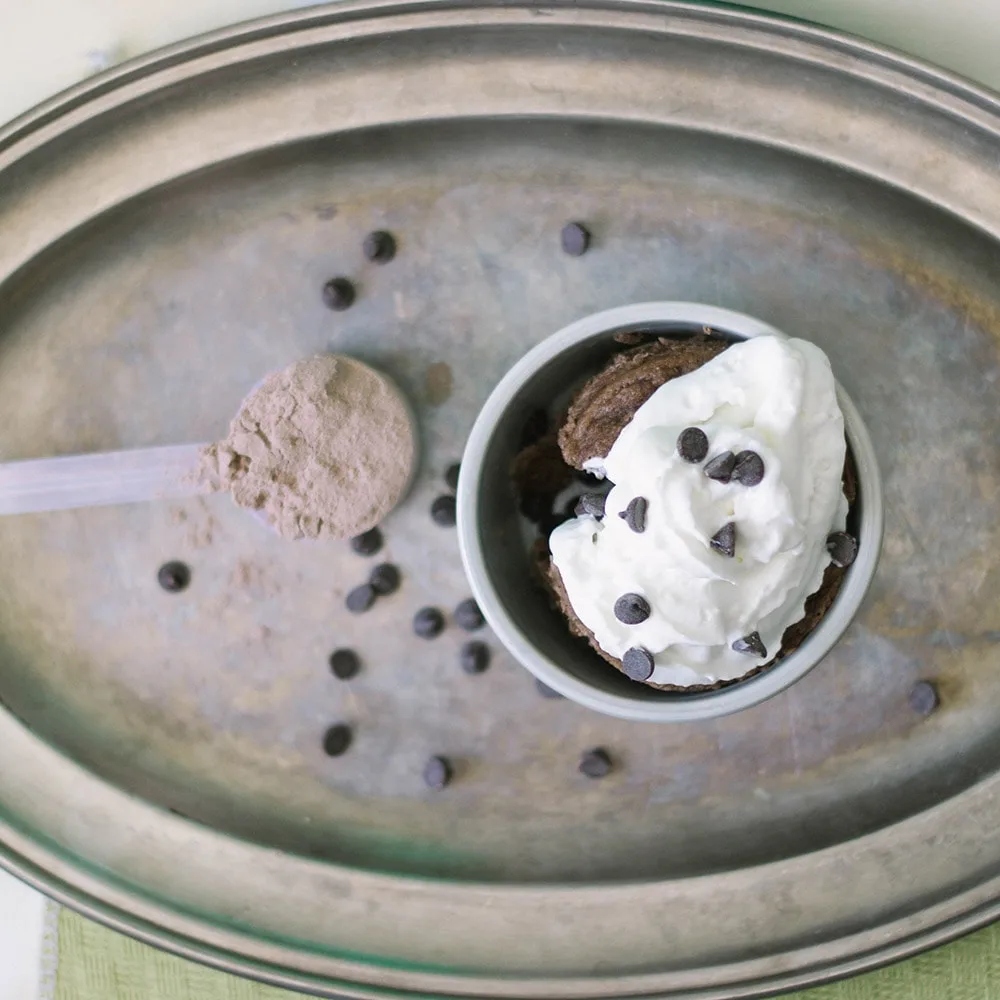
(38, 126)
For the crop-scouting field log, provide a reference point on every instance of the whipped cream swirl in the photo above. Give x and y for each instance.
(771, 395)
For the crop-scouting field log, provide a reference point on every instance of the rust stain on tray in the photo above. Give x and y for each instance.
(438, 383)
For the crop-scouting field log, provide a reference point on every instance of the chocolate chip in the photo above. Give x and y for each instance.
(632, 609)
(338, 294)
(638, 663)
(379, 247)
(634, 515)
(468, 617)
(692, 444)
(173, 577)
(344, 664)
(724, 540)
(749, 469)
(443, 511)
(842, 548)
(474, 657)
(596, 763)
(437, 773)
(721, 467)
(592, 504)
(367, 544)
(337, 739)
(535, 428)
(575, 239)
(451, 475)
(428, 623)
(360, 599)
(924, 698)
(545, 691)
(384, 579)
(750, 644)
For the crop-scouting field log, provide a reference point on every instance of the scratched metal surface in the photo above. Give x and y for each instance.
(168, 276)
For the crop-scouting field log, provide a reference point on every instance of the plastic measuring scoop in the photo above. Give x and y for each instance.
(100, 479)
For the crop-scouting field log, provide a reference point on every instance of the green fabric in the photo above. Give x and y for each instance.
(98, 964)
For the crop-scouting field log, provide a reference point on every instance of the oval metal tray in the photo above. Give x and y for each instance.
(164, 233)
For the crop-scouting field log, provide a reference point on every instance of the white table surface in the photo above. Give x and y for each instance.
(46, 45)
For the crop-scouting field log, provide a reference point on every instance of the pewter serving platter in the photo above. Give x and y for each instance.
(164, 233)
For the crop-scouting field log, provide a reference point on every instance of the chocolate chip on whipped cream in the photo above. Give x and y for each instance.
(749, 468)
(692, 444)
(721, 467)
(632, 609)
(751, 645)
(724, 540)
(842, 548)
(591, 504)
(634, 515)
(638, 663)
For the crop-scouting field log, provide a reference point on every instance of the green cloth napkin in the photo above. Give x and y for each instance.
(98, 964)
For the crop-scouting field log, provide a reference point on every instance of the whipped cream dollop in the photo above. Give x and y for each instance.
(770, 395)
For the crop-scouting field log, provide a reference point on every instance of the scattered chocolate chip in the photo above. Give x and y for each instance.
(443, 511)
(337, 739)
(360, 599)
(750, 644)
(842, 548)
(367, 544)
(634, 515)
(468, 617)
(338, 294)
(721, 467)
(173, 577)
(924, 698)
(638, 663)
(379, 247)
(545, 691)
(384, 579)
(344, 664)
(575, 239)
(437, 773)
(535, 428)
(428, 623)
(632, 609)
(592, 504)
(692, 444)
(596, 763)
(724, 540)
(451, 475)
(749, 468)
(474, 657)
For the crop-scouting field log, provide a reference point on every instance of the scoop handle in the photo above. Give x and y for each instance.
(99, 479)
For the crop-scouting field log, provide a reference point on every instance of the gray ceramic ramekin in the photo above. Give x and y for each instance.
(497, 555)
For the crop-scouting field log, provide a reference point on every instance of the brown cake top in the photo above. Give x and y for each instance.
(611, 398)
